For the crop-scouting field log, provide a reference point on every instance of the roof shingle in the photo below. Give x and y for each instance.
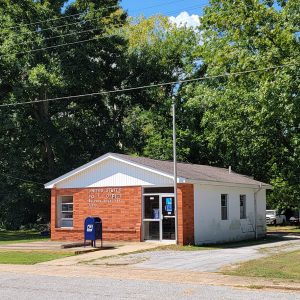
(193, 171)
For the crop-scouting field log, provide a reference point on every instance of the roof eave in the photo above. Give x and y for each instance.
(235, 184)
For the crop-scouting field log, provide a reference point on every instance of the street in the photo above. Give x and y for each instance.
(24, 286)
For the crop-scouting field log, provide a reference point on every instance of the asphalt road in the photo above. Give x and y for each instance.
(21, 286)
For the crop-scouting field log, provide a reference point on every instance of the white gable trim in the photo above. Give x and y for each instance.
(98, 160)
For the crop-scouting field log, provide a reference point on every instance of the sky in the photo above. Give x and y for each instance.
(166, 7)
(179, 11)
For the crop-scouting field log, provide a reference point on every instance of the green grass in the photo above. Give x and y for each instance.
(30, 258)
(250, 242)
(20, 236)
(293, 229)
(283, 265)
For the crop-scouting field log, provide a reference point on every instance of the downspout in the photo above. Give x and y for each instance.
(255, 210)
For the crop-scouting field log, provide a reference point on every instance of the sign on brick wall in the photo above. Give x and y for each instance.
(104, 195)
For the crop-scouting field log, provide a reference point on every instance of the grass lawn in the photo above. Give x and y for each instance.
(293, 229)
(283, 265)
(30, 258)
(20, 236)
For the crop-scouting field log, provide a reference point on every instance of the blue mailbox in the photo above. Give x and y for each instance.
(93, 230)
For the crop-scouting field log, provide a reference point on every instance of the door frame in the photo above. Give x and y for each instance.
(160, 195)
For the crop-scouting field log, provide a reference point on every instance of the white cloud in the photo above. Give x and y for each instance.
(185, 19)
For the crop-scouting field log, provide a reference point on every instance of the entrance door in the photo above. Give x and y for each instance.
(159, 217)
(151, 217)
(168, 218)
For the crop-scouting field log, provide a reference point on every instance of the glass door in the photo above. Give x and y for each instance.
(159, 217)
(151, 217)
(168, 218)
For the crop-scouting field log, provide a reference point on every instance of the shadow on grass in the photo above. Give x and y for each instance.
(20, 235)
(270, 238)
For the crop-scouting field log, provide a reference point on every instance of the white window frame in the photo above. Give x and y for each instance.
(222, 206)
(244, 199)
(60, 212)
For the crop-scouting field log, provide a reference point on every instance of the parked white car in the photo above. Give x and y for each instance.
(274, 218)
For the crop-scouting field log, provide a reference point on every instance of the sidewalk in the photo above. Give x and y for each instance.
(45, 246)
(111, 249)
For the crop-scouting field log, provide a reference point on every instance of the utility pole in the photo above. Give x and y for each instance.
(175, 167)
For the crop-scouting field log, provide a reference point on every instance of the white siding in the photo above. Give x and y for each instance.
(114, 173)
(261, 213)
(209, 228)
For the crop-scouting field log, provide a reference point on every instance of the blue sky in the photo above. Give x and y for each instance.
(166, 7)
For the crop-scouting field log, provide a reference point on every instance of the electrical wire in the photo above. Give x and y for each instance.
(53, 19)
(76, 15)
(25, 180)
(59, 26)
(147, 86)
(59, 36)
(85, 21)
(59, 45)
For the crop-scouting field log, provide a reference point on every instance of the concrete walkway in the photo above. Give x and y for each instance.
(40, 245)
(45, 246)
(112, 250)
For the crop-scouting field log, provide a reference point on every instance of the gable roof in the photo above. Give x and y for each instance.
(185, 171)
(193, 171)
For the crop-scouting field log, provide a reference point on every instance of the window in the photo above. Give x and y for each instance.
(159, 190)
(65, 211)
(224, 207)
(243, 207)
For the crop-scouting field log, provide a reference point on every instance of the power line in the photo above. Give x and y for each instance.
(62, 35)
(147, 86)
(60, 45)
(25, 180)
(76, 15)
(59, 26)
(86, 20)
(53, 19)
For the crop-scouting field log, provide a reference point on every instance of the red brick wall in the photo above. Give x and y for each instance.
(185, 193)
(119, 209)
(122, 218)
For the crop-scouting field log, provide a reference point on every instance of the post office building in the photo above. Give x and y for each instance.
(134, 197)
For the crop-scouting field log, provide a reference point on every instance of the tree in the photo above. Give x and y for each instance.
(251, 121)
(42, 140)
(159, 51)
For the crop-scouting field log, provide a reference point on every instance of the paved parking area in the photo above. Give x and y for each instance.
(201, 261)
